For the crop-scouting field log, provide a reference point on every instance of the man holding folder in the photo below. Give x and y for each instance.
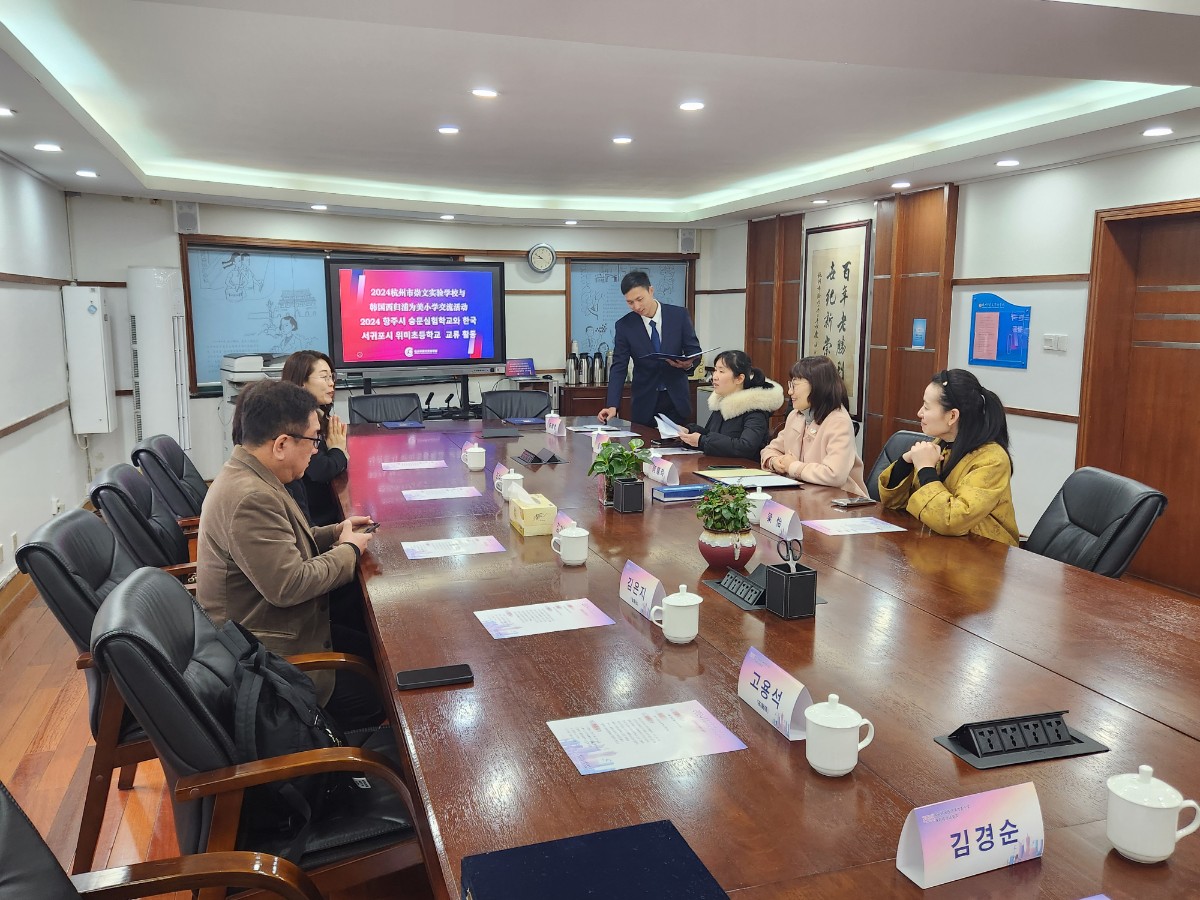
(664, 348)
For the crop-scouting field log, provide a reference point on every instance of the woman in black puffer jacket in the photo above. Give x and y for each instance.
(742, 401)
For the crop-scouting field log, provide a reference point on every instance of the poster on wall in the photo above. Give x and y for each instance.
(835, 290)
(596, 301)
(999, 332)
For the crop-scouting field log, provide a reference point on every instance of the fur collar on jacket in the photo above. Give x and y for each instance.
(767, 398)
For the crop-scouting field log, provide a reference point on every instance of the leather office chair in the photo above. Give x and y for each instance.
(1097, 521)
(515, 404)
(139, 518)
(375, 408)
(172, 474)
(29, 871)
(897, 445)
(75, 562)
(170, 665)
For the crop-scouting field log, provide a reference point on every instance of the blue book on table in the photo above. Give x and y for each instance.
(527, 421)
(405, 424)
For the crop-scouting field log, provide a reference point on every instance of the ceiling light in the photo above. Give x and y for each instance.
(86, 173)
(820, 202)
(622, 140)
(1157, 131)
(448, 129)
(447, 217)
(901, 185)
(484, 92)
(5, 111)
(570, 222)
(48, 148)
(1006, 163)
(691, 106)
(319, 207)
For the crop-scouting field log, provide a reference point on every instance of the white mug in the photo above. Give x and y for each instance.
(571, 544)
(757, 499)
(680, 613)
(1143, 815)
(476, 457)
(831, 737)
(508, 482)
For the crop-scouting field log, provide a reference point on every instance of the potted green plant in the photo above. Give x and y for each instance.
(617, 460)
(726, 540)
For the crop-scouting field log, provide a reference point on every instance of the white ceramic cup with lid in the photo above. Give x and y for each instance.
(571, 545)
(476, 458)
(757, 499)
(680, 613)
(509, 482)
(831, 737)
(1143, 816)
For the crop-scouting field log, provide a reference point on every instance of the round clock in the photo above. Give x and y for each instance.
(542, 258)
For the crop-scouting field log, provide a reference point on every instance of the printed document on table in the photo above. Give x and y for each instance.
(863, 525)
(441, 493)
(542, 618)
(451, 547)
(414, 464)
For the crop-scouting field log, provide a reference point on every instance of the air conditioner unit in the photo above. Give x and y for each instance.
(158, 329)
(91, 387)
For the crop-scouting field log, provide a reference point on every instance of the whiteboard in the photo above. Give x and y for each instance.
(597, 301)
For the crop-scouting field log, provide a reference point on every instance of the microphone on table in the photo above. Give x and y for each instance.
(429, 400)
(449, 397)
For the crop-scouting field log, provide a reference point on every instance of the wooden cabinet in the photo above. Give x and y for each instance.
(589, 399)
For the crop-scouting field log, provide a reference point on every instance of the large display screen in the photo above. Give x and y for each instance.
(416, 315)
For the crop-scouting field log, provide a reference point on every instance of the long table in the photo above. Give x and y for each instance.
(920, 634)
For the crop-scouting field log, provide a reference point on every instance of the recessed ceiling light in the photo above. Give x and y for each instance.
(319, 207)
(622, 140)
(1157, 131)
(484, 92)
(5, 111)
(901, 185)
(86, 173)
(570, 222)
(448, 129)
(447, 217)
(820, 202)
(48, 148)
(1006, 163)
(691, 106)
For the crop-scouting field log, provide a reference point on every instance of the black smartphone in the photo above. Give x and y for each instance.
(847, 502)
(366, 529)
(435, 677)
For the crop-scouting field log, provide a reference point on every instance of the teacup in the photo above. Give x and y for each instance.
(571, 545)
(1143, 815)
(831, 737)
(476, 457)
(509, 482)
(757, 499)
(680, 614)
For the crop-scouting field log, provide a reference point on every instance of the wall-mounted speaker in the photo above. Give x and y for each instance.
(187, 217)
(687, 240)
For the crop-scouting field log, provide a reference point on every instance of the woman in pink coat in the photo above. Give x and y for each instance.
(817, 441)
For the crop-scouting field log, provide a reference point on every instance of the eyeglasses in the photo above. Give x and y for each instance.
(325, 377)
(316, 441)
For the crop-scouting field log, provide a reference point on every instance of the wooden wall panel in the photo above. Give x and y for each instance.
(881, 312)
(760, 310)
(793, 247)
(760, 259)
(913, 370)
(789, 318)
(1176, 330)
(917, 298)
(1146, 302)
(1169, 251)
(885, 223)
(921, 229)
(876, 375)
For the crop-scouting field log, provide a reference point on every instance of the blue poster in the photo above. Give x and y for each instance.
(918, 341)
(999, 333)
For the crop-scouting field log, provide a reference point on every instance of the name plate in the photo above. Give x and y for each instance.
(640, 589)
(555, 424)
(561, 521)
(780, 521)
(661, 470)
(774, 694)
(599, 439)
(955, 839)
(463, 456)
(500, 469)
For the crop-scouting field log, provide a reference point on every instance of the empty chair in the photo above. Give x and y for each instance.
(515, 404)
(29, 870)
(177, 481)
(897, 445)
(375, 408)
(174, 671)
(1097, 521)
(138, 517)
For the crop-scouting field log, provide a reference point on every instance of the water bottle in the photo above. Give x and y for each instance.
(601, 368)
(573, 368)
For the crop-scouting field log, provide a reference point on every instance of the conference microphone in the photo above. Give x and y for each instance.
(449, 397)
(429, 400)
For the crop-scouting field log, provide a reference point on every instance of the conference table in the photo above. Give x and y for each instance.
(919, 633)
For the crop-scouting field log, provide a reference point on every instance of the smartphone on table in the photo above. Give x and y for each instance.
(411, 679)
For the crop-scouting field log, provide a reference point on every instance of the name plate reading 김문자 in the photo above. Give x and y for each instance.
(780, 521)
(955, 839)
(661, 470)
(640, 589)
(775, 694)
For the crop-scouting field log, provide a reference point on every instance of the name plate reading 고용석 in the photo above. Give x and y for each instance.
(661, 470)
(776, 695)
(640, 589)
(955, 839)
(780, 521)
(555, 425)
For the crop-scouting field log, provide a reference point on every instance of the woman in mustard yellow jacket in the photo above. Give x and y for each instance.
(958, 483)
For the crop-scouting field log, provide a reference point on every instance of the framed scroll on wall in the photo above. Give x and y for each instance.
(836, 260)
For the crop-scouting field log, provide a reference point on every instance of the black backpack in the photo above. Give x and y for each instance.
(272, 710)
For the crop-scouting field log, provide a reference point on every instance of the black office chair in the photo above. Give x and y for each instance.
(375, 408)
(139, 518)
(172, 474)
(1097, 521)
(174, 672)
(29, 871)
(897, 445)
(515, 404)
(75, 562)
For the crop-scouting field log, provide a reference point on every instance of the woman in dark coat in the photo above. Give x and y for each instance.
(742, 401)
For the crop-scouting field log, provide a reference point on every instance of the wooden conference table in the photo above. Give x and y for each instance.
(920, 634)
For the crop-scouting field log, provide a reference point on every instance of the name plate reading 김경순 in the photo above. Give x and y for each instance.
(780, 521)
(555, 425)
(640, 589)
(775, 694)
(955, 839)
(661, 470)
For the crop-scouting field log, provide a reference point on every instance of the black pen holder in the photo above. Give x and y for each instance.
(791, 595)
(628, 495)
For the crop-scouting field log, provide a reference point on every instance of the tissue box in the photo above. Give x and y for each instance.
(532, 514)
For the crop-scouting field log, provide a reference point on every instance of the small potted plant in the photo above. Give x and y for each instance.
(616, 460)
(726, 540)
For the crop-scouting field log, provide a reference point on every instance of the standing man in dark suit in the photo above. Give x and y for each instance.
(659, 386)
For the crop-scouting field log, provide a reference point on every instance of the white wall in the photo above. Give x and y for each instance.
(721, 318)
(42, 460)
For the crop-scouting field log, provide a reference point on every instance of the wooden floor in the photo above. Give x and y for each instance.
(46, 750)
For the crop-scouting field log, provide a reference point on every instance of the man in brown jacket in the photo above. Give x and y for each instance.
(261, 564)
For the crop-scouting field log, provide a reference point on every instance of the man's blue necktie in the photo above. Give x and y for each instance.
(655, 340)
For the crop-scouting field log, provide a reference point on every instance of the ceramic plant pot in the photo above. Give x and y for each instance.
(727, 551)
